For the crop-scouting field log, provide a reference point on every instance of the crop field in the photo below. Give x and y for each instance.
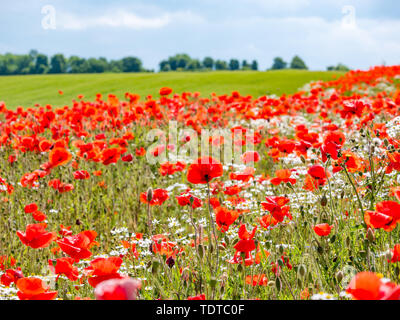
(193, 186)
(29, 90)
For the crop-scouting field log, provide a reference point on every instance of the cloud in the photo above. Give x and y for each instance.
(124, 19)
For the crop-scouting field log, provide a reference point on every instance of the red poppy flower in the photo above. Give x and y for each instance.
(109, 156)
(386, 216)
(39, 216)
(77, 246)
(395, 254)
(59, 157)
(257, 280)
(64, 266)
(187, 199)
(165, 91)
(140, 152)
(11, 276)
(102, 269)
(245, 245)
(250, 156)
(225, 218)
(45, 145)
(118, 289)
(6, 261)
(282, 176)
(159, 197)
(36, 236)
(81, 175)
(34, 289)
(316, 177)
(323, 229)
(198, 297)
(277, 207)
(368, 286)
(127, 158)
(61, 187)
(30, 208)
(204, 170)
(244, 176)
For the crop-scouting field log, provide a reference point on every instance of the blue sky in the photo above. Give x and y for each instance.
(321, 32)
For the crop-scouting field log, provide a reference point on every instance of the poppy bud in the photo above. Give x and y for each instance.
(281, 249)
(302, 159)
(302, 270)
(278, 284)
(370, 235)
(170, 262)
(201, 251)
(213, 282)
(185, 274)
(224, 279)
(339, 276)
(324, 201)
(386, 142)
(155, 267)
(149, 194)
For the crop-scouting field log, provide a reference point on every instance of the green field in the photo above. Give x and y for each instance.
(26, 91)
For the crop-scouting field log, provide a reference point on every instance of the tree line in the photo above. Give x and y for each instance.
(38, 63)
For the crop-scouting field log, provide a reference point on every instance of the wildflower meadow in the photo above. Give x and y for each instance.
(193, 197)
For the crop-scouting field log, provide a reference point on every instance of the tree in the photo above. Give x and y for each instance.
(208, 63)
(339, 67)
(165, 66)
(77, 65)
(221, 65)
(24, 64)
(194, 65)
(245, 65)
(234, 64)
(115, 66)
(131, 64)
(278, 64)
(297, 63)
(58, 64)
(254, 65)
(41, 64)
(97, 65)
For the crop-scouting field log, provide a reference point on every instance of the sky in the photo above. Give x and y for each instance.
(358, 33)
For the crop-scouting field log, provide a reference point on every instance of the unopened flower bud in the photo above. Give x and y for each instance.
(149, 195)
(170, 262)
(370, 235)
(339, 276)
(224, 279)
(185, 274)
(302, 270)
(324, 201)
